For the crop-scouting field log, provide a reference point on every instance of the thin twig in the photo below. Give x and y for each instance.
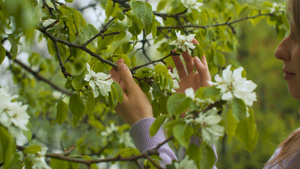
(214, 25)
(63, 69)
(82, 47)
(154, 61)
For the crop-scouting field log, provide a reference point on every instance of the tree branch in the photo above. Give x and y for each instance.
(82, 47)
(63, 69)
(154, 61)
(214, 25)
(36, 74)
(145, 155)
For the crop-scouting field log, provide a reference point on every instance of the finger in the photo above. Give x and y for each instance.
(203, 60)
(127, 78)
(194, 41)
(170, 68)
(179, 66)
(114, 72)
(188, 62)
(203, 72)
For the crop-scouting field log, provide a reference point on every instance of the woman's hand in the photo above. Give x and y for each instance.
(189, 78)
(135, 105)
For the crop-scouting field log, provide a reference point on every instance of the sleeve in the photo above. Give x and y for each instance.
(143, 141)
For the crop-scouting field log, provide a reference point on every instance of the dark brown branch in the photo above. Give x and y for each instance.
(51, 25)
(165, 15)
(48, 7)
(36, 74)
(63, 69)
(214, 25)
(82, 47)
(154, 163)
(215, 104)
(145, 155)
(92, 5)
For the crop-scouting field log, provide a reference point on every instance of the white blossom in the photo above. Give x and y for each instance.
(232, 84)
(192, 4)
(183, 42)
(39, 161)
(185, 163)
(126, 139)
(174, 76)
(98, 82)
(109, 130)
(13, 114)
(210, 128)
(189, 92)
(277, 7)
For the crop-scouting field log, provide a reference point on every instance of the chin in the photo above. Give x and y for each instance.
(295, 95)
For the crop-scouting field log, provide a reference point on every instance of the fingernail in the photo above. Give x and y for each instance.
(122, 67)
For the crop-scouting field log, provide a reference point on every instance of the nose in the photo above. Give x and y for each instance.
(283, 51)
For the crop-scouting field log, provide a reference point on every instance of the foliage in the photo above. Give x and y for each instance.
(81, 115)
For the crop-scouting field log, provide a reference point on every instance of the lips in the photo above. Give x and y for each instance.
(288, 74)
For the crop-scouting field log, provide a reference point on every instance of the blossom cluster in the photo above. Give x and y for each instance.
(38, 159)
(174, 76)
(209, 121)
(99, 82)
(277, 7)
(192, 4)
(232, 84)
(183, 43)
(124, 137)
(13, 114)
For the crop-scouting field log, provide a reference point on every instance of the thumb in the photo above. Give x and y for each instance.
(127, 78)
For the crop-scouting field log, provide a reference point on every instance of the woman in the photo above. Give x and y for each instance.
(136, 109)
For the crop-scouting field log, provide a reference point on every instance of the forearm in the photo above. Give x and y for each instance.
(143, 141)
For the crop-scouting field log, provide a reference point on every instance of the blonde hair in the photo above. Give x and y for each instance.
(290, 146)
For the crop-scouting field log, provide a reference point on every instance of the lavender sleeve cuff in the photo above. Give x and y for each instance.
(143, 141)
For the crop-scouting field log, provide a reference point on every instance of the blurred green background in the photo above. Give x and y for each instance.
(275, 110)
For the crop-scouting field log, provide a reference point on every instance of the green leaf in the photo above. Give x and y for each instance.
(113, 97)
(32, 149)
(239, 109)
(62, 164)
(157, 124)
(127, 152)
(69, 1)
(194, 153)
(76, 106)
(247, 133)
(183, 134)
(90, 103)
(219, 59)
(61, 112)
(78, 82)
(117, 12)
(27, 133)
(255, 20)
(178, 103)
(7, 148)
(2, 53)
(109, 8)
(143, 11)
(199, 51)
(119, 91)
(231, 124)
(207, 156)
